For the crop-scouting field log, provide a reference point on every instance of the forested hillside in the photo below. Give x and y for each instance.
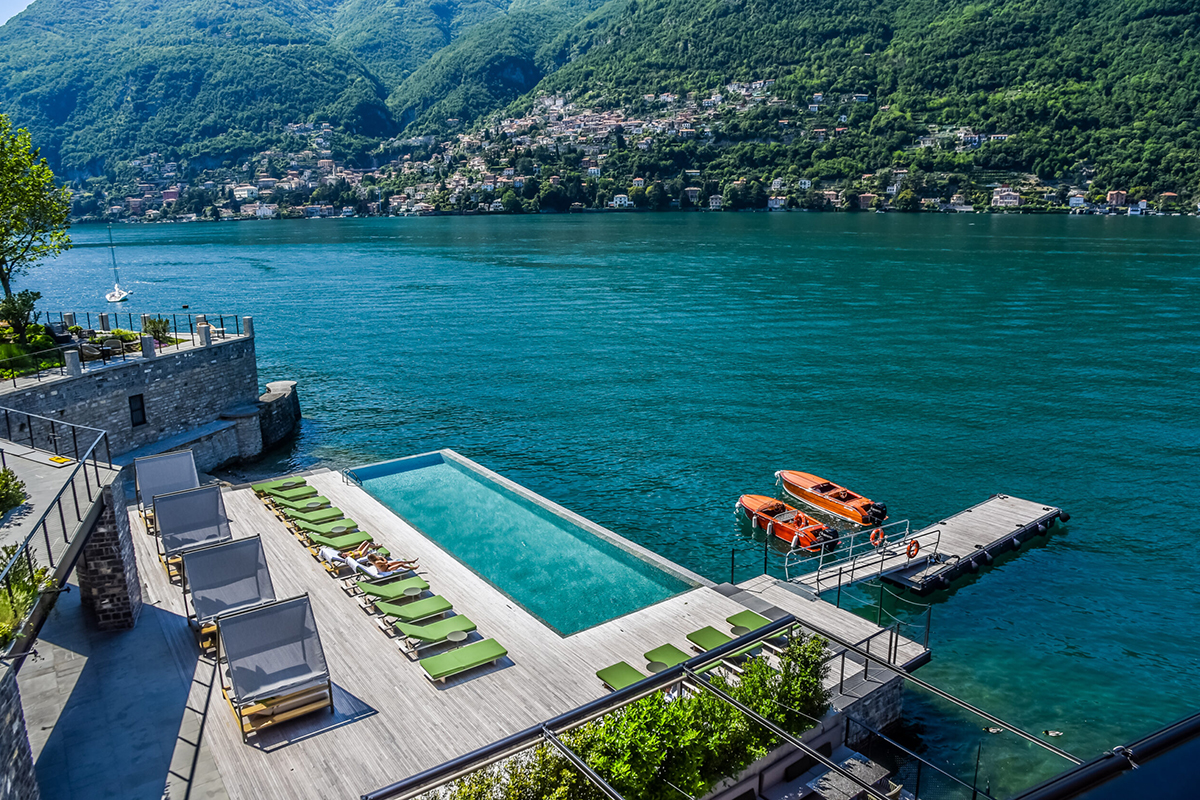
(205, 80)
(1107, 89)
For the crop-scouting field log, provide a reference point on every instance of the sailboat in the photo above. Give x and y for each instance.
(117, 294)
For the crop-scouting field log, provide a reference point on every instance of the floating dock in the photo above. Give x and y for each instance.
(932, 557)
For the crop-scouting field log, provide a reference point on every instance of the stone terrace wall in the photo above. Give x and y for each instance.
(181, 391)
(109, 586)
(17, 778)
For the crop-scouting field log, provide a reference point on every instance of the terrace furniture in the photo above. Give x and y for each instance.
(419, 637)
(305, 504)
(187, 520)
(298, 493)
(279, 483)
(709, 638)
(335, 527)
(416, 610)
(162, 474)
(315, 517)
(456, 662)
(343, 542)
(276, 666)
(393, 590)
(747, 621)
(222, 579)
(668, 655)
(619, 675)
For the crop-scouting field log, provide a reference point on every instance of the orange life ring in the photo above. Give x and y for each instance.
(878, 537)
(914, 547)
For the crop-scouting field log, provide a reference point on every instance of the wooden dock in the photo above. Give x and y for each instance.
(931, 558)
(389, 721)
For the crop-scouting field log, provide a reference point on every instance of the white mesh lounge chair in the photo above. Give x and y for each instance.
(187, 520)
(223, 579)
(273, 663)
(162, 474)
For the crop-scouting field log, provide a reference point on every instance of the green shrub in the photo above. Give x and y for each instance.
(24, 583)
(75, 329)
(159, 328)
(12, 490)
(690, 742)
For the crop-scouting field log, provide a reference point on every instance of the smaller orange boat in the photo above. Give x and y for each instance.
(828, 496)
(781, 520)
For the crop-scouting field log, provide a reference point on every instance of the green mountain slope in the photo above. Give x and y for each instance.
(1109, 82)
(209, 80)
(488, 67)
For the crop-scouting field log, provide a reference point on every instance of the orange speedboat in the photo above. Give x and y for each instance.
(781, 520)
(828, 496)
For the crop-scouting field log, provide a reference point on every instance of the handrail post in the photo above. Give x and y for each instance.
(732, 562)
(928, 623)
(839, 591)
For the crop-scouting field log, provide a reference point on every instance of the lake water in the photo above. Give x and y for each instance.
(645, 370)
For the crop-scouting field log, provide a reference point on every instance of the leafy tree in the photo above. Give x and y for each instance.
(17, 310)
(907, 200)
(33, 210)
(512, 203)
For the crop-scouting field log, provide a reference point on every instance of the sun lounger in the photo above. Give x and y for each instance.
(420, 637)
(304, 504)
(315, 517)
(619, 675)
(748, 619)
(708, 638)
(455, 662)
(343, 542)
(298, 493)
(335, 527)
(668, 654)
(415, 611)
(289, 482)
(393, 590)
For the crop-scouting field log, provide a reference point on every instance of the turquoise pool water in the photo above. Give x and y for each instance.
(565, 576)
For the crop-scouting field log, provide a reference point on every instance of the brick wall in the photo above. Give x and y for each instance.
(17, 778)
(107, 570)
(181, 391)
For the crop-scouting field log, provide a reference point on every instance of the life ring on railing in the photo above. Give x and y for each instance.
(914, 547)
(878, 537)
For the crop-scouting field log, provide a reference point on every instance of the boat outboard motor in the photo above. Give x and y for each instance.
(877, 512)
(828, 537)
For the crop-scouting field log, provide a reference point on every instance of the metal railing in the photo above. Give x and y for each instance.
(50, 534)
(52, 361)
(863, 554)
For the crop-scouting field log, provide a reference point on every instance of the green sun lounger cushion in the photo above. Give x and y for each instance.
(708, 638)
(293, 494)
(278, 483)
(343, 542)
(332, 528)
(416, 610)
(619, 675)
(435, 632)
(668, 654)
(305, 504)
(445, 665)
(315, 517)
(748, 619)
(393, 590)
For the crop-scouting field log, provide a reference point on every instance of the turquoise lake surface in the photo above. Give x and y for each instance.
(646, 370)
(564, 575)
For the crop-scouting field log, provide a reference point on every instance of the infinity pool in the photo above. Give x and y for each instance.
(565, 575)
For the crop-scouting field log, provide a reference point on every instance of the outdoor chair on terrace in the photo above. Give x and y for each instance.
(304, 504)
(187, 520)
(393, 590)
(415, 638)
(414, 611)
(456, 662)
(336, 527)
(313, 517)
(276, 667)
(668, 655)
(619, 675)
(290, 482)
(223, 579)
(709, 638)
(162, 474)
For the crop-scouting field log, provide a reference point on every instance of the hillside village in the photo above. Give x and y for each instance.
(559, 157)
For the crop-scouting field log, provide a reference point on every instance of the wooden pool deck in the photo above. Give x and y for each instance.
(389, 720)
(961, 543)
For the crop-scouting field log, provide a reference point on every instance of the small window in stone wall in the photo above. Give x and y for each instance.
(137, 410)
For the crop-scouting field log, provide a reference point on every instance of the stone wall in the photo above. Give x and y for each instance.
(182, 390)
(280, 412)
(18, 780)
(107, 570)
(879, 709)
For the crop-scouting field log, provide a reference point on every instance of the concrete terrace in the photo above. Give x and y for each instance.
(127, 714)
